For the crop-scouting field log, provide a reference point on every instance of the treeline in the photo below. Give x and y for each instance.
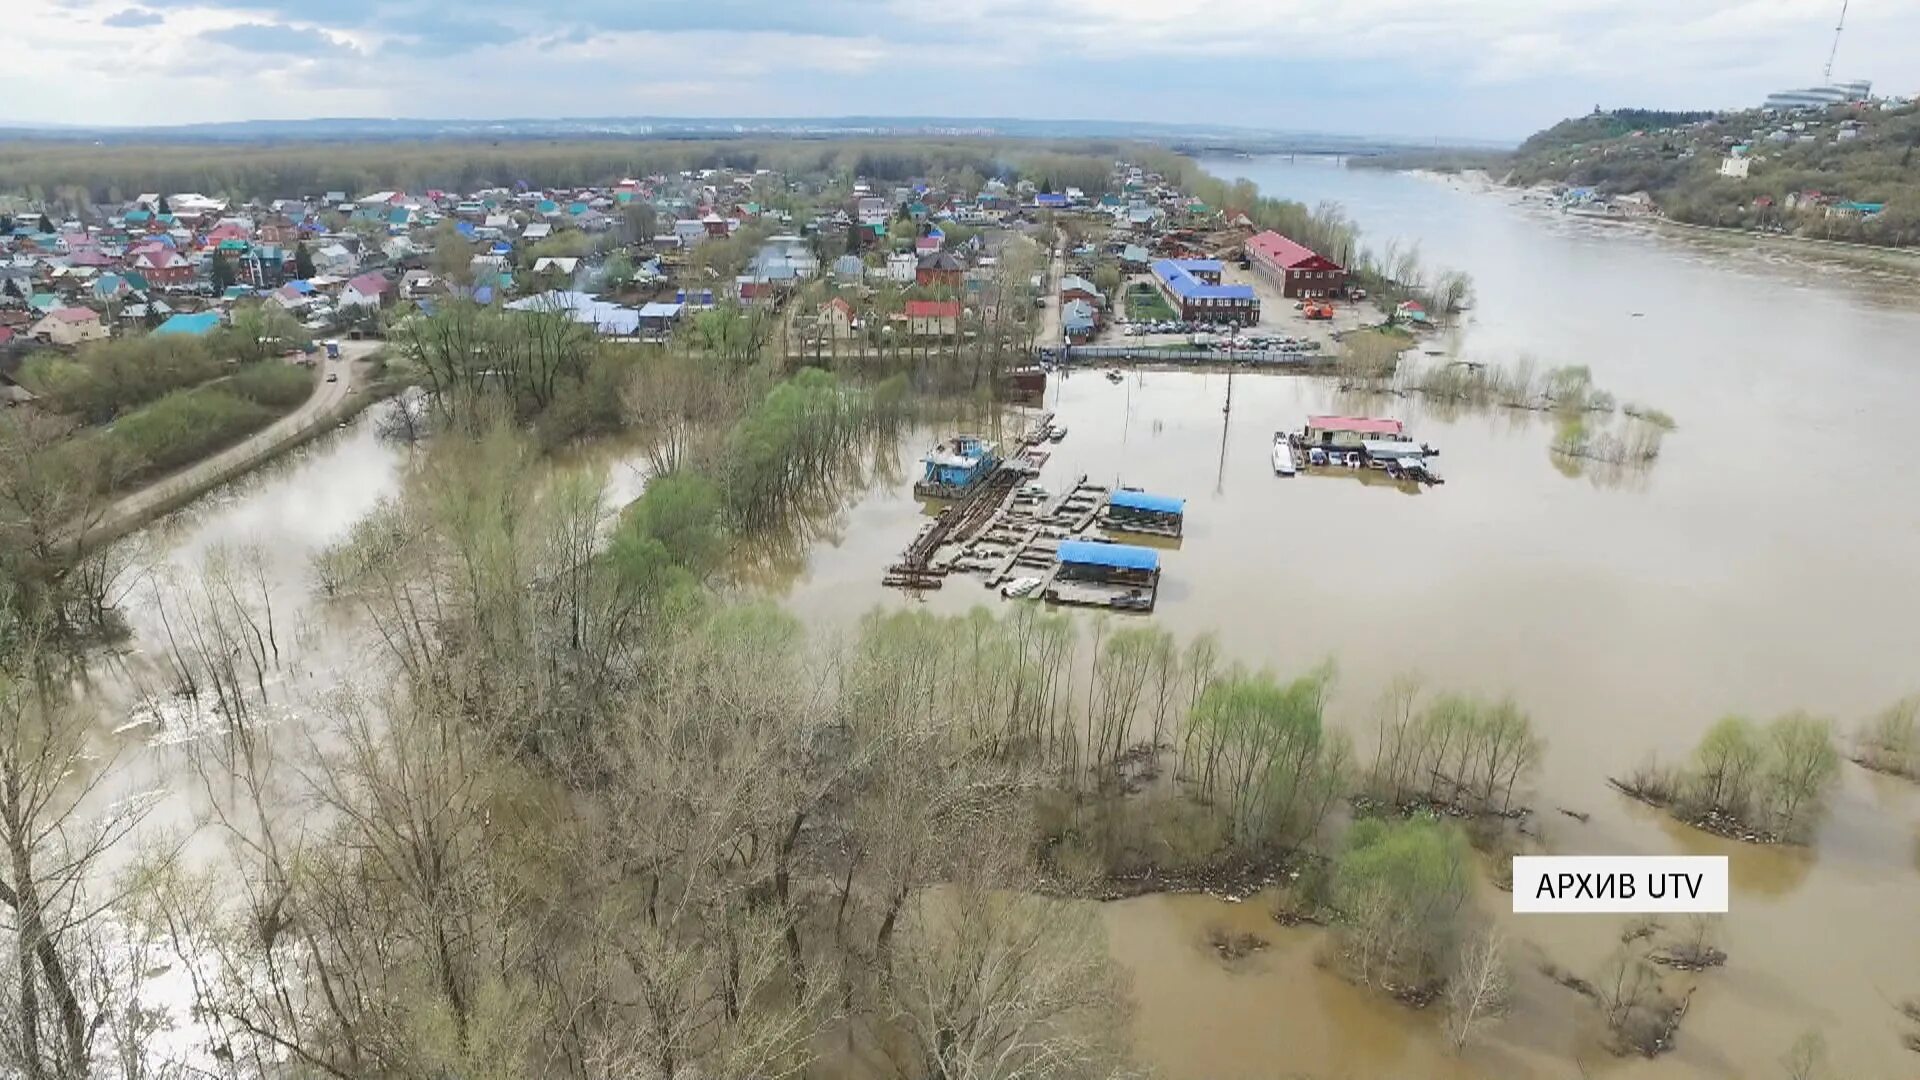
(1440, 160)
(69, 174)
(1760, 783)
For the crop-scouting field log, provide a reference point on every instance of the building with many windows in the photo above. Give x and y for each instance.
(1296, 268)
(1193, 287)
(1819, 97)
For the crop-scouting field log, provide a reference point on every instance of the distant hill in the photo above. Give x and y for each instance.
(1195, 136)
(1862, 160)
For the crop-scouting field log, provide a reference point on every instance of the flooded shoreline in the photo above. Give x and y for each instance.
(1759, 565)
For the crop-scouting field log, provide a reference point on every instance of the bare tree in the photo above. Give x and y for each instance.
(995, 985)
(58, 824)
(1480, 991)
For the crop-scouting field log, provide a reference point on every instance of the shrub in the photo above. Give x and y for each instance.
(272, 383)
(1400, 887)
(109, 378)
(185, 425)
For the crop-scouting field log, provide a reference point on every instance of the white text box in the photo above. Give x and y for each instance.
(1620, 883)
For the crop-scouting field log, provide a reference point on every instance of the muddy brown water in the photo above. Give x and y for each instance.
(1766, 562)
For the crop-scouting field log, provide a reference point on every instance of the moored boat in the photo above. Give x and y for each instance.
(1282, 455)
(1019, 587)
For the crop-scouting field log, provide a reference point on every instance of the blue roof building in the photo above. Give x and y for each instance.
(1185, 285)
(196, 325)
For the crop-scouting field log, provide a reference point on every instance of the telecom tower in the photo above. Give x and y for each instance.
(1827, 76)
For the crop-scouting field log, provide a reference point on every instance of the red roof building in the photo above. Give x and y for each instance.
(1296, 268)
(933, 309)
(1360, 425)
(1349, 432)
(933, 318)
(164, 268)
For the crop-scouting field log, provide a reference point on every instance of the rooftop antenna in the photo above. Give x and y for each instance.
(1827, 76)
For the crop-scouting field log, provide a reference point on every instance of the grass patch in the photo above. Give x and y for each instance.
(1145, 304)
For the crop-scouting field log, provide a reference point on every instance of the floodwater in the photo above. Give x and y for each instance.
(1764, 563)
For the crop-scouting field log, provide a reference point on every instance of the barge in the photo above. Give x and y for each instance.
(956, 467)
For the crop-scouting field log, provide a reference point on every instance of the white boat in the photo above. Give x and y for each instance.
(1019, 587)
(1282, 455)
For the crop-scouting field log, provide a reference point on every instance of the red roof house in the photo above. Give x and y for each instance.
(1295, 267)
(164, 268)
(933, 318)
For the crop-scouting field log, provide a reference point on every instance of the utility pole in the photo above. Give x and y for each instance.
(1827, 76)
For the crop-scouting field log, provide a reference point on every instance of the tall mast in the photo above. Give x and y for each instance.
(1827, 76)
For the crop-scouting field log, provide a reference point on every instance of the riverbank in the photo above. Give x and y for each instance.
(331, 403)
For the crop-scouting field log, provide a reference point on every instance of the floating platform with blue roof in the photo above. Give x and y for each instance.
(1093, 573)
(1131, 510)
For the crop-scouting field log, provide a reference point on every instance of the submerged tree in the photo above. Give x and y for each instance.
(1400, 887)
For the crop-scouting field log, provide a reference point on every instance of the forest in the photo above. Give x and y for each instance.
(71, 175)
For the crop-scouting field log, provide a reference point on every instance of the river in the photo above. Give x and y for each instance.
(1762, 564)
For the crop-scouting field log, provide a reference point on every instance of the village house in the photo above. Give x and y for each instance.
(848, 269)
(165, 268)
(334, 259)
(837, 318)
(1074, 287)
(369, 290)
(199, 324)
(70, 326)
(902, 267)
(657, 317)
(1079, 321)
(562, 266)
(939, 269)
(933, 318)
(1296, 268)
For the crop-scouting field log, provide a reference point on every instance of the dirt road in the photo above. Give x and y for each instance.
(320, 408)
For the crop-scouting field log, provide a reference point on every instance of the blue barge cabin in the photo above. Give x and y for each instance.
(1123, 576)
(1141, 512)
(956, 467)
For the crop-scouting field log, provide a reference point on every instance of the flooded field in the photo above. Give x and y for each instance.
(1763, 563)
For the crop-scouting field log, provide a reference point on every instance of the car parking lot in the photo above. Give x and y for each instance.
(1283, 322)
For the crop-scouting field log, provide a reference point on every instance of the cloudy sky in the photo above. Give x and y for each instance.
(1480, 68)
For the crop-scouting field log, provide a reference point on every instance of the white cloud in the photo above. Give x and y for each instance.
(1479, 66)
